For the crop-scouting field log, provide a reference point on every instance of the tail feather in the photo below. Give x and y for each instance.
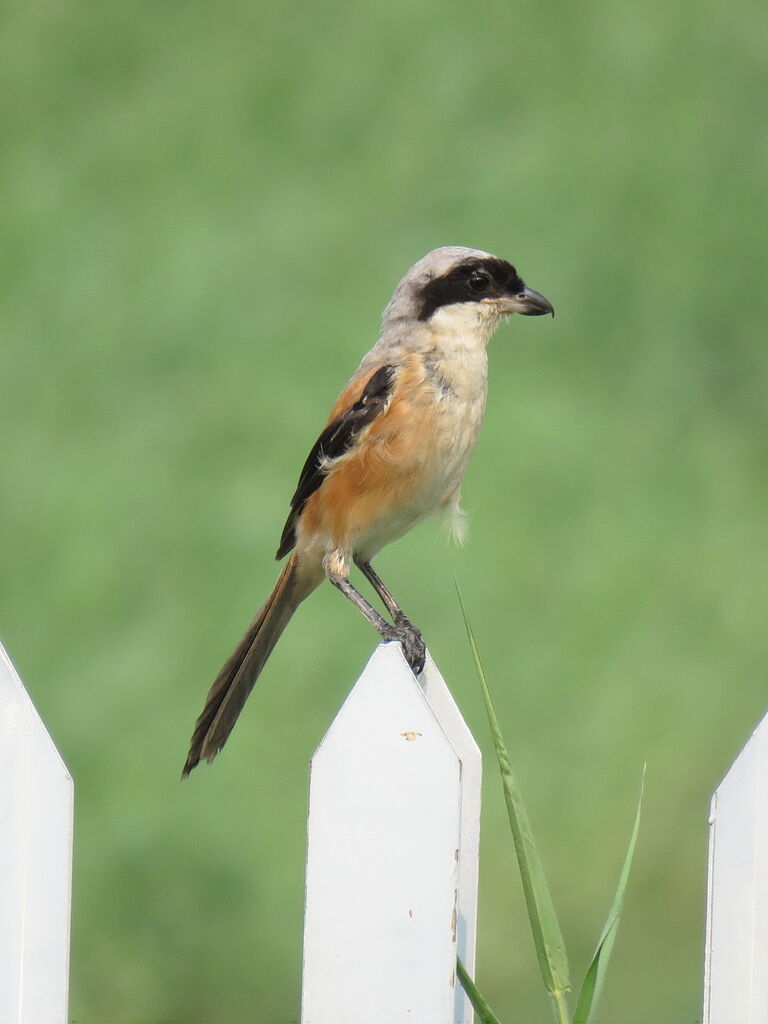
(239, 673)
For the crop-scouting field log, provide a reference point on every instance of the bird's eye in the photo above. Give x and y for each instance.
(479, 283)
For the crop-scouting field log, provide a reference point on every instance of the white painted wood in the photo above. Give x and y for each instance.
(36, 800)
(384, 858)
(456, 729)
(736, 965)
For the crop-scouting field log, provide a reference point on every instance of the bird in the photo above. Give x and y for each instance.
(392, 454)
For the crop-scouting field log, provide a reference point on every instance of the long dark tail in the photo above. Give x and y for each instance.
(239, 673)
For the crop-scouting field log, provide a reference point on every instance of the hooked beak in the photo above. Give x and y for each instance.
(528, 302)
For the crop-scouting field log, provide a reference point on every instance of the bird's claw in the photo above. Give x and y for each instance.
(409, 638)
(414, 649)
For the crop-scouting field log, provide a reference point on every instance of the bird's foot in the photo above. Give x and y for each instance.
(410, 639)
(414, 649)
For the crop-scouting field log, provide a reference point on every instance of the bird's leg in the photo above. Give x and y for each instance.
(336, 570)
(413, 641)
(394, 609)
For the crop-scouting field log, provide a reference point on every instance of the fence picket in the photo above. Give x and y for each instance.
(736, 965)
(36, 798)
(392, 854)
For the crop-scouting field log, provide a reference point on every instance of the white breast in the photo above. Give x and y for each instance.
(457, 375)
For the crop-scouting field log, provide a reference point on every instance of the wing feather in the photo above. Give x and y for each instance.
(338, 437)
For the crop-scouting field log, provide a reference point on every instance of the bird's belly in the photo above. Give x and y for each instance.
(425, 483)
(453, 441)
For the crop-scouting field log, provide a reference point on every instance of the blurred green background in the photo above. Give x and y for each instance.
(203, 209)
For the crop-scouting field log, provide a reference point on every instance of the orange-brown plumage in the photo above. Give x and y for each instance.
(384, 470)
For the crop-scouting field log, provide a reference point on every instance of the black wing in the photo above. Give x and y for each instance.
(337, 438)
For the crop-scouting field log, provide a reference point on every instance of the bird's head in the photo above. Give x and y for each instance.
(456, 290)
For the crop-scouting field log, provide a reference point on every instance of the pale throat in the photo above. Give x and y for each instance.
(459, 335)
(474, 322)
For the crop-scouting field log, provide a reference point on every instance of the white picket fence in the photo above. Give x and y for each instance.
(392, 865)
(36, 798)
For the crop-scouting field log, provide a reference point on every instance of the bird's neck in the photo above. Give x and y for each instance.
(458, 363)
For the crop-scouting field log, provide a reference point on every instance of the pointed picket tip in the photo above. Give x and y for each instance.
(747, 762)
(387, 685)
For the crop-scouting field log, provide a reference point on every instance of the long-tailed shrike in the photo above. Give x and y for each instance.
(393, 453)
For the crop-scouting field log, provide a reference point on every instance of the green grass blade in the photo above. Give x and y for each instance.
(547, 937)
(479, 1005)
(592, 986)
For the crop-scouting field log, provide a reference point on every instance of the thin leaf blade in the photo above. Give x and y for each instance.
(547, 936)
(594, 979)
(479, 1005)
